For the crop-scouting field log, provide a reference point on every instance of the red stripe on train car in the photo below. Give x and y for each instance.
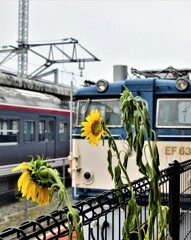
(34, 109)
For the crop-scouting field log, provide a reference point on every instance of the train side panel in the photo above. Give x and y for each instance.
(26, 133)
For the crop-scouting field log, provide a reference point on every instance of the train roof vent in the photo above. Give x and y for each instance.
(119, 72)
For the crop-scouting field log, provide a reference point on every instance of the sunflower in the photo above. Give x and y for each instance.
(38, 182)
(31, 188)
(93, 127)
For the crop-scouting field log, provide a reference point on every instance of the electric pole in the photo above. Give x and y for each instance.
(22, 69)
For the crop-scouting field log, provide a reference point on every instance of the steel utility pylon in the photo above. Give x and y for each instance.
(68, 48)
(22, 68)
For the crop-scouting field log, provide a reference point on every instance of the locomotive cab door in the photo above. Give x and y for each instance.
(47, 136)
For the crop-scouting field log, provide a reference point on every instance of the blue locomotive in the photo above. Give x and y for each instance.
(167, 96)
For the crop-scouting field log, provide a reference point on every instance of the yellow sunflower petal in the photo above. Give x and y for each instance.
(35, 192)
(40, 198)
(29, 190)
(23, 179)
(93, 129)
(46, 197)
(21, 166)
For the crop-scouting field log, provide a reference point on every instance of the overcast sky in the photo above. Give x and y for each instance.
(141, 34)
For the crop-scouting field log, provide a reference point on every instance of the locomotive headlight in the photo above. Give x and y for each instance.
(101, 85)
(182, 83)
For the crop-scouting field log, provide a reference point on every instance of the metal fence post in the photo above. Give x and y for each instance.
(25, 209)
(174, 199)
(63, 176)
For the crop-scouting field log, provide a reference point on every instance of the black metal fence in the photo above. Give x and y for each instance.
(103, 215)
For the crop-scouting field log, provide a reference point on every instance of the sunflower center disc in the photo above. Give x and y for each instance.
(96, 128)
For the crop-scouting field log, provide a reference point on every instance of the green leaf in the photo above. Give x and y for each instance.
(141, 137)
(136, 122)
(146, 121)
(125, 160)
(130, 221)
(117, 177)
(130, 139)
(109, 159)
(139, 153)
(164, 222)
(156, 161)
(149, 171)
(110, 141)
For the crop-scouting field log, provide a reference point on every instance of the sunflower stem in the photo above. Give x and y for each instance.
(126, 177)
(72, 211)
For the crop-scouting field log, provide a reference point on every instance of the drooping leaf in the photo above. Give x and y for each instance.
(109, 160)
(130, 221)
(125, 161)
(117, 177)
(164, 223)
(118, 182)
(156, 161)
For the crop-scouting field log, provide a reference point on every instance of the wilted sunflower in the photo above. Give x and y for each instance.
(38, 182)
(93, 127)
(31, 183)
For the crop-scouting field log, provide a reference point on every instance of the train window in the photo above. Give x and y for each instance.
(29, 131)
(62, 131)
(51, 131)
(41, 134)
(9, 131)
(174, 113)
(109, 109)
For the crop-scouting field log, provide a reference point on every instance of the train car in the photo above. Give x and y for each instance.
(167, 96)
(32, 124)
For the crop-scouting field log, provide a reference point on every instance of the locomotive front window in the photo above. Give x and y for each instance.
(109, 110)
(9, 131)
(174, 113)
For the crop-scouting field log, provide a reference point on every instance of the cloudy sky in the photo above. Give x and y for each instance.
(142, 34)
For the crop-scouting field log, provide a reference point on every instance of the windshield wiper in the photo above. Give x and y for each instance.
(86, 107)
(185, 110)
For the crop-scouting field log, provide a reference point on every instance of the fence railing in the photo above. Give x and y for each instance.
(103, 215)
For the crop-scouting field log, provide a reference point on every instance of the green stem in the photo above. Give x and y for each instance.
(156, 199)
(119, 161)
(72, 211)
(127, 178)
(150, 170)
